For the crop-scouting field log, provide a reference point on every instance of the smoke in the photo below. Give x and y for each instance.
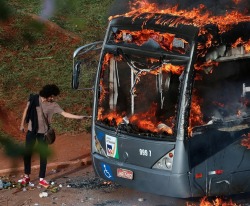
(216, 7)
(47, 9)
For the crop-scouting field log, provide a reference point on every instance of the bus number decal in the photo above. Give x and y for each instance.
(145, 152)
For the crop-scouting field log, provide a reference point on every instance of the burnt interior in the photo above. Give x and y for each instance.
(224, 93)
(142, 72)
(149, 39)
(146, 95)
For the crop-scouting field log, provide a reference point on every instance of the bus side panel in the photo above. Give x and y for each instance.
(198, 180)
(233, 165)
(240, 182)
(220, 162)
(199, 151)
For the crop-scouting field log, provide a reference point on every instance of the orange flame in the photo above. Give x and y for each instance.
(217, 202)
(111, 116)
(196, 116)
(197, 16)
(144, 120)
(246, 141)
(168, 68)
(165, 40)
(246, 44)
(247, 47)
(172, 68)
(106, 60)
(207, 64)
(236, 1)
(219, 104)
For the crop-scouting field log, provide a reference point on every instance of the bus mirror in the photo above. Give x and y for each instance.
(85, 58)
(75, 75)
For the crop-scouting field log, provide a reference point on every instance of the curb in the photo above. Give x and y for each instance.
(85, 161)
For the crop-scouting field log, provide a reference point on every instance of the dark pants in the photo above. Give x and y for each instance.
(41, 148)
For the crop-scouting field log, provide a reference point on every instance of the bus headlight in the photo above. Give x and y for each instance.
(165, 163)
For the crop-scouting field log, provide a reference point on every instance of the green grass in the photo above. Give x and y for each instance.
(31, 57)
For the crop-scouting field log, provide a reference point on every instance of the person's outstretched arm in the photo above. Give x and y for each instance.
(71, 116)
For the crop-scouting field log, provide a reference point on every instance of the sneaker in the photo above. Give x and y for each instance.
(44, 183)
(24, 181)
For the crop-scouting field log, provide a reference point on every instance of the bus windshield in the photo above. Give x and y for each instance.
(138, 94)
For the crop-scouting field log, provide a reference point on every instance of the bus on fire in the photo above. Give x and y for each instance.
(171, 107)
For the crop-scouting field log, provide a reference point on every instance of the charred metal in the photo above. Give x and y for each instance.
(172, 102)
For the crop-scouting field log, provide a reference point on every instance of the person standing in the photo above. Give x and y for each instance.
(40, 106)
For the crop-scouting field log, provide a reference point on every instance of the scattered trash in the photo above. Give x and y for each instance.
(54, 198)
(54, 171)
(43, 194)
(53, 189)
(1, 184)
(31, 184)
(60, 185)
(6, 183)
(140, 199)
(92, 183)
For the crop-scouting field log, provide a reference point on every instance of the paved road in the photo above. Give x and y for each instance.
(77, 184)
(80, 186)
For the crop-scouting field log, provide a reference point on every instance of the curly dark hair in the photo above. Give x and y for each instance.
(49, 90)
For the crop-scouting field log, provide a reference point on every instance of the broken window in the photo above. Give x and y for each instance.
(138, 94)
(221, 95)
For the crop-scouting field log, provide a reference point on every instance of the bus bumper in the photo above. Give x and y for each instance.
(160, 182)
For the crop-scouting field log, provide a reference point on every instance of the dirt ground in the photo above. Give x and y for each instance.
(70, 155)
(70, 158)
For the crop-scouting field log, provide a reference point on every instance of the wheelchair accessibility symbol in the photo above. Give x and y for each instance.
(107, 171)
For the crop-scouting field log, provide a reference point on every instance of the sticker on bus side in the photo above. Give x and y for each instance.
(106, 169)
(111, 147)
(100, 135)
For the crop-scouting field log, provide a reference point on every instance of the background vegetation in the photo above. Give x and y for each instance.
(33, 55)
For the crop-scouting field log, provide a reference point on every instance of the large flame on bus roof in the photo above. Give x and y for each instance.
(199, 16)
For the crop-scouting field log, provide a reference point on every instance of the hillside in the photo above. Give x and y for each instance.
(24, 69)
(35, 53)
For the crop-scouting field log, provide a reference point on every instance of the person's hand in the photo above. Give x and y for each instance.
(22, 128)
(82, 117)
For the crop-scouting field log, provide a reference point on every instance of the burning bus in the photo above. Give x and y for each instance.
(171, 108)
